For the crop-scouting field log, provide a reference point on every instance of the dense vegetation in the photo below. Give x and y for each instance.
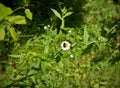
(59, 44)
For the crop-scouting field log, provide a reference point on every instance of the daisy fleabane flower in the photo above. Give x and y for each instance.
(71, 56)
(69, 31)
(46, 27)
(65, 45)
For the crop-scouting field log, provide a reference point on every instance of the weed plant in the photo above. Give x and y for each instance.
(65, 55)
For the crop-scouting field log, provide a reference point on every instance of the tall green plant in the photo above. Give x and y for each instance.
(64, 13)
(8, 20)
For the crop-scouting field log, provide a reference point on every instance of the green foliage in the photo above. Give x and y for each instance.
(16, 19)
(4, 11)
(2, 33)
(13, 33)
(28, 14)
(62, 17)
(39, 60)
(8, 20)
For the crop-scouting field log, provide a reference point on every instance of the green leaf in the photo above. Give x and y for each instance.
(65, 61)
(28, 14)
(26, 2)
(55, 48)
(44, 66)
(4, 11)
(64, 10)
(32, 71)
(56, 13)
(10, 71)
(13, 33)
(17, 19)
(67, 14)
(15, 56)
(27, 44)
(67, 28)
(2, 33)
(47, 44)
(86, 36)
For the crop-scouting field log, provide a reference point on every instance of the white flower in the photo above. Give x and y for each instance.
(71, 55)
(48, 26)
(65, 45)
(45, 27)
(69, 31)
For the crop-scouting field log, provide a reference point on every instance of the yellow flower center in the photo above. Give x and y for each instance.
(65, 45)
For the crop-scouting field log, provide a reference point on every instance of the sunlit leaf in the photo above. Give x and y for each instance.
(4, 11)
(43, 66)
(47, 43)
(13, 33)
(15, 56)
(28, 14)
(56, 13)
(64, 10)
(27, 44)
(17, 19)
(54, 47)
(32, 71)
(86, 36)
(2, 33)
(67, 14)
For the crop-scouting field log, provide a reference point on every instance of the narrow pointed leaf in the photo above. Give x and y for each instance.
(56, 13)
(68, 14)
(86, 36)
(67, 28)
(27, 44)
(44, 66)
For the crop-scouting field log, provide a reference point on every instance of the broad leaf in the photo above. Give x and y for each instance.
(56, 13)
(13, 33)
(2, 33)
(4, 11)
(17, 19)
(28, 14)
